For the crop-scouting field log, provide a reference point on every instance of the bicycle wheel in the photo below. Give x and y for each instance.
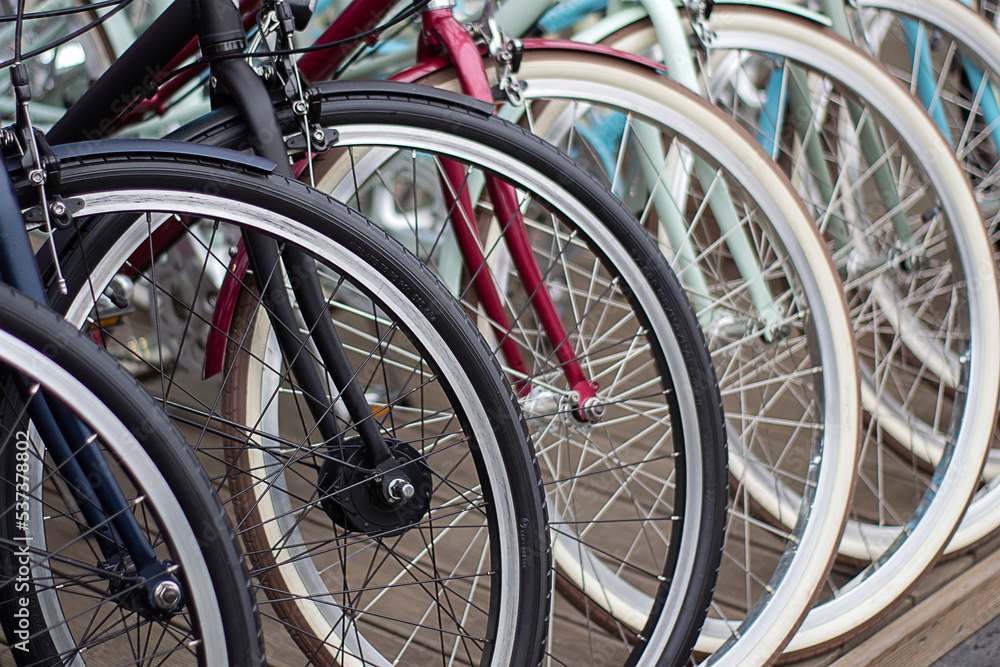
(459, 565)
(790, 399)
(379, 173)
(920, 281)
(61, 601)
(636, 496)
(962, 59)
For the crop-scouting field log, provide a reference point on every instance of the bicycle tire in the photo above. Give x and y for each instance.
(44, 610)
(607, 237)
(861, 596)
(497, 507)
(763, 476)
(961, 32)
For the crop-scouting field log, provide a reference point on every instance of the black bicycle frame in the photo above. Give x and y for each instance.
(221, 35)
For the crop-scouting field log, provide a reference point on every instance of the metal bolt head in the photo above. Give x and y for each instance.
(401, 489)
(166, 595)
(36, 176)
(57, 208)
(300, 107)
(593, 409)
(319, 135)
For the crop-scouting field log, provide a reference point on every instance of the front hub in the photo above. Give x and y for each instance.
(384, 501)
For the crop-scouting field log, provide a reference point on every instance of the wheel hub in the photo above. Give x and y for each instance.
(384, 501)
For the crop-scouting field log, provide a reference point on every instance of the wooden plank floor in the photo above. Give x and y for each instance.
(954, 600)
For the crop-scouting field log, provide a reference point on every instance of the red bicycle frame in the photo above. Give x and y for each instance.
(442, 35)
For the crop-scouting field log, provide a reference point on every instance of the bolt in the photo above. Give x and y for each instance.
(319, 135)
(300, 107)
(166, 595)
(592, 409)
(36, 176)
(57, 208)
(400, 489)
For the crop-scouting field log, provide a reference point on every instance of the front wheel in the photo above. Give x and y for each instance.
(457, 565)
(637, 490)
(62, 600)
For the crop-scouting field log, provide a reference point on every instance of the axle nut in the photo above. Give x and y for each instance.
(166, 595)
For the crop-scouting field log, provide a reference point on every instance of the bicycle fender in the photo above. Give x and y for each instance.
(615, 21)
(125, 147)
(438, 63)
(782, 6)
(222, 315)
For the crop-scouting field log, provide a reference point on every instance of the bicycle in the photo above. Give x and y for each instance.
(861, 543)
(974, 432)
(479, 490)
(660, 329)
(50, 558)
(149, 550)
(946, 57)
(835, 416)
(758, 31)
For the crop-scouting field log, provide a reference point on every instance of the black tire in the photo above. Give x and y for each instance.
(211, 566)
(614, 241)
(382, 285)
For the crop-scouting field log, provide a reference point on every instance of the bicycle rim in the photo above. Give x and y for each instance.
(368, 584)
(601, 93)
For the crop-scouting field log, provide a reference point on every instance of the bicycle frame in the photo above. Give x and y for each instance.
(69, 443)
(444, 32)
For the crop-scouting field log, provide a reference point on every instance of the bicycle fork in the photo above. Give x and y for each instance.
(442, 30)
(221, 33)
(71, 445)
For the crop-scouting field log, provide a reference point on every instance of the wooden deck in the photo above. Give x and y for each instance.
(954, 600)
